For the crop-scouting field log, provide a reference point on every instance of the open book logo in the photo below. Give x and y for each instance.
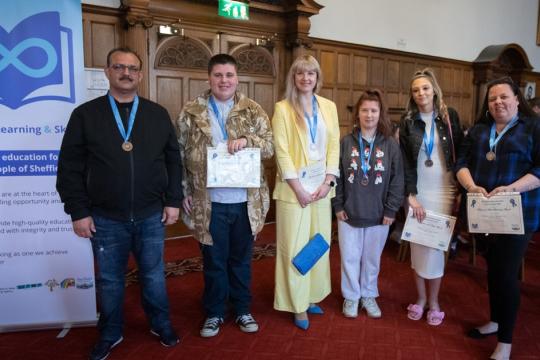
(36, 61)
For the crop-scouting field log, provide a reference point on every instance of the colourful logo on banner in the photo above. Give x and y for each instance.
(66, 283)
(29, 286)
(84, 283)
(37, 56)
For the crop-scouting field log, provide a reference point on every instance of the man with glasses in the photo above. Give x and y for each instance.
(119, 176)
(225, 219)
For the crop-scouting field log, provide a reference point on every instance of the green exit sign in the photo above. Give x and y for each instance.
(233, 9)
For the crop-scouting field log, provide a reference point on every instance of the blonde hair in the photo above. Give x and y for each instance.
(438, 104)
(302, 63)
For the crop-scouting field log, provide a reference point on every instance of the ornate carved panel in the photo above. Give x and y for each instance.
(182, 52)
(254, 60)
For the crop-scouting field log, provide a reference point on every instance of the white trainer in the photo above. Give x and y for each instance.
(350, 308)
(372, 309)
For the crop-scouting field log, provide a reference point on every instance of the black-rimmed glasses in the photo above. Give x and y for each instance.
(133, 69)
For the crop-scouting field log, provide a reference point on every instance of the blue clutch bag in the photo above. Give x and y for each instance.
(310, 254)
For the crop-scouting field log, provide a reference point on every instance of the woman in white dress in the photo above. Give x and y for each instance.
(429, 135)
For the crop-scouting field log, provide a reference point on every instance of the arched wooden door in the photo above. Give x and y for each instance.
(178, 73)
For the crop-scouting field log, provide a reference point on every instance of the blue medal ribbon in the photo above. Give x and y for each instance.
(312, 125)
(118, 119)
(429, 144)
(220, 119)
(492, 140)
(363, 159)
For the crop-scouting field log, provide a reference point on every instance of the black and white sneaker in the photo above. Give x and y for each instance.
(247, 323)
(211, 326)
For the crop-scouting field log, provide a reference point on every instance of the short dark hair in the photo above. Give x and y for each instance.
(122, 49)
(221, 59)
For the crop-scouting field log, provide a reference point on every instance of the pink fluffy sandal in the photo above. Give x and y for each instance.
(415, 311)
(435, 317)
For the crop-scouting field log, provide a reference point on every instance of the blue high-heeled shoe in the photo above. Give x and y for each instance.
(302, 324)
(315, 309)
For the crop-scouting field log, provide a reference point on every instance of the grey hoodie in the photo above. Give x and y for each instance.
(366, 205)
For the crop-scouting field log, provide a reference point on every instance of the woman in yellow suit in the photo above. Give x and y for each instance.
(306, 137)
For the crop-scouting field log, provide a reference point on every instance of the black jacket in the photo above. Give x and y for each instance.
(411, 136)
(95, 175)
(366, 205)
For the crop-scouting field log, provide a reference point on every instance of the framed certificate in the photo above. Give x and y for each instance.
(499, 214)
(435, 231)
(239, 170)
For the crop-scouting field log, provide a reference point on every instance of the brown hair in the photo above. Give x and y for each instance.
(384, 126)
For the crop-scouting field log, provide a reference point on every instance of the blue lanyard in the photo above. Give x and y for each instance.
(365, 159)
(118, 119)
(492, 140)
(312, 125)
(429, 144)
(220, 118)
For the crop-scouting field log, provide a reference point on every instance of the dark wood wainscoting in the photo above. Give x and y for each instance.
(175, 67)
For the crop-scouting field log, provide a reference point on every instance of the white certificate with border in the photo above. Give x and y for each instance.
(499, 214)
(239, 170)
(435, 231)
(312, 176)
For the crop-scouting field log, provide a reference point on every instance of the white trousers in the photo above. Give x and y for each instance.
(360, 250)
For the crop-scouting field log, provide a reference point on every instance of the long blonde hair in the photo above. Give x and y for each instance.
(438, 104)
(302, 63)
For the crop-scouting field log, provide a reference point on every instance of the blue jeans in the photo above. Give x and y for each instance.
(111, 245)
(227, 263)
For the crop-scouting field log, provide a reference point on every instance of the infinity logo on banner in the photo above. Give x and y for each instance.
(36, 57)
(11, 57)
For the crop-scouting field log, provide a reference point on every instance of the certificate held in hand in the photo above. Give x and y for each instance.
(435, 231)
(310, 254)
(239, 170)
(499, 214)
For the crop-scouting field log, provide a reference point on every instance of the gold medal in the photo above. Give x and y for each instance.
(490, 156)
(127, 146)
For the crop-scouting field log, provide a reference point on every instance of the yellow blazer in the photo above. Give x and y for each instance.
(291, 148)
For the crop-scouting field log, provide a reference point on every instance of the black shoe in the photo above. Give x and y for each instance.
(103, 348)
(476, 334)
(167, 336)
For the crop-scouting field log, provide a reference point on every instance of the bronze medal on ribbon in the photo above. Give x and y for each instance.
(490, 156)
(365, 181)
(428, 163)
(127, 146)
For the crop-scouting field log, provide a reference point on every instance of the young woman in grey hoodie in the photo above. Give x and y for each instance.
(369, 192)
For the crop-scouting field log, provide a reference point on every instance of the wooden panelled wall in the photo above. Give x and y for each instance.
(350, 69)
(102, 31)
(176, 69)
